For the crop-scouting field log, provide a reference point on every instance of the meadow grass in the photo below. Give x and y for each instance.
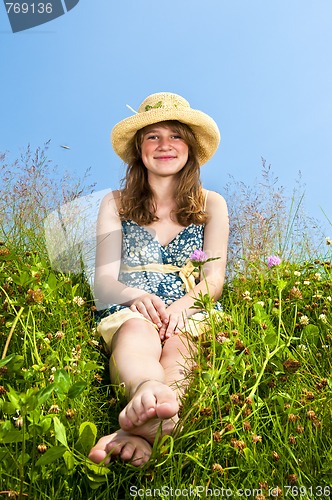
(256, 419)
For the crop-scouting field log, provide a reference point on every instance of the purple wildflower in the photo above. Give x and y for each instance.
(198, 257)
(273, 260)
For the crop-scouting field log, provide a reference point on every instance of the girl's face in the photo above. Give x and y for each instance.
(164, 152)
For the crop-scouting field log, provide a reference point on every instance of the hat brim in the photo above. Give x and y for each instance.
(203, 126)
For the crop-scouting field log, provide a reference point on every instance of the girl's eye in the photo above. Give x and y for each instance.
(152, 137)
(176, 137)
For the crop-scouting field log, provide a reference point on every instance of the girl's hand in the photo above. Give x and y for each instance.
(152, 308)
(174, 324)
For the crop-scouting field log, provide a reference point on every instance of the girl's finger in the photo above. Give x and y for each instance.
(153, 315)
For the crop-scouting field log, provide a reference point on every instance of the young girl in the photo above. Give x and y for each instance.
(146, 233)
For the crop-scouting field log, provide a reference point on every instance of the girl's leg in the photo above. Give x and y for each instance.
(135, 362)
(177, 359)
(136, 351)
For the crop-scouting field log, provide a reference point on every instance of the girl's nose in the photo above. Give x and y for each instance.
(164, 143)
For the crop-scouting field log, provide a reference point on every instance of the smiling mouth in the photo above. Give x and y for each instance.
(165, 157)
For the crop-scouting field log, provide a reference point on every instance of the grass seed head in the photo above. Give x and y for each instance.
(4, 251)
(70, 414)
(218, 468)
(235, 399)
(311, 415)
(293, 418)
(256, 439)
(247, 412)
(295, 293)
(321, 384)
(291, 365)
(229, 428)
(292, 439)
(216, 436)
(246, 425)
(35, 296)
(238, 444)
(206, 412)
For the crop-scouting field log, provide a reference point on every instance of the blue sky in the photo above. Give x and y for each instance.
(262, 69)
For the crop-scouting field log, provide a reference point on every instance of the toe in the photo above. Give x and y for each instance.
(97, 456)
(101, 449)
(128, 447)
(167, 409)
(127, 452)
(140, 458)
(148, 404)
(125, 422)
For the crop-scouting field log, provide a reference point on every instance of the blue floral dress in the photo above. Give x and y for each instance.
(140, 247)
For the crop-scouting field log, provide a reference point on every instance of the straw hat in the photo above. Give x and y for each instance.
(167, 106)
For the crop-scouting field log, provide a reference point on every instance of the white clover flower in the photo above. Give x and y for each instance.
(329, 298)
(302, 348)
(18, 421)
(304, 320)
(78, 300)
(306, 282)
(246, 295)
(317, 276)
(297, 273)
(261, 303)
(322, 317)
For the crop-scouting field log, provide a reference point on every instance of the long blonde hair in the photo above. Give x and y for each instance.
(137, 201)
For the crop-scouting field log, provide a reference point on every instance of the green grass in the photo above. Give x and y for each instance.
(255, 422)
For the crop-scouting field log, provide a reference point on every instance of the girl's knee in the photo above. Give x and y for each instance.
(134, 330)
(179, 343)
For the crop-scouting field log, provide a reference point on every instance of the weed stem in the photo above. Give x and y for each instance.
(11, 332)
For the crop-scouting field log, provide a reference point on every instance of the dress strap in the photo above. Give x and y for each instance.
(205, 200)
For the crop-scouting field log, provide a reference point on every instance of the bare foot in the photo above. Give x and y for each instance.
(152, 399)
(154, 426)
(130, 448)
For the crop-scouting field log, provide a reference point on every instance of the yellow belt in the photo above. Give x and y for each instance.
(187, 273)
